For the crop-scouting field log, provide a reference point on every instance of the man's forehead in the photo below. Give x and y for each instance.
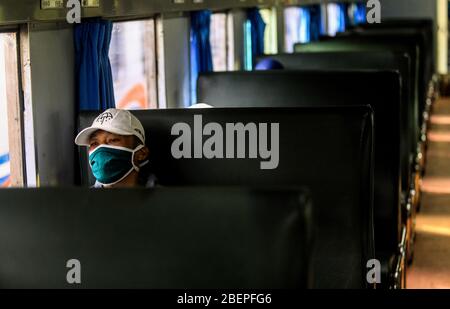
(102, 132)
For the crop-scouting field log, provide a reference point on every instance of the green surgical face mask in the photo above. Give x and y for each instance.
(112, 164)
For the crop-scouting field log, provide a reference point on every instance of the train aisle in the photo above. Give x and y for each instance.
(431, 266)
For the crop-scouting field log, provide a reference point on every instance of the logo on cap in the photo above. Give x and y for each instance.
(139, 132)
(105, 117)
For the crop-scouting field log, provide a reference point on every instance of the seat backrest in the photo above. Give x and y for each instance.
(411, 35)
(376, 60)
(397, 43)
(163, 238)
(425, 27)
(381, 90)
(328, 150)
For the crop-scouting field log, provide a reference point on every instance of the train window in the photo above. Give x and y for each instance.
(336, 18)
(134, 67)
(200, 50)
(11, 163)
(4, 139)
(297, 21)
(303, 25)
(221, 41)
(248, 52)
(271, 35)
(231, 60)
(221, 37)
(254, 37)
(357, 12)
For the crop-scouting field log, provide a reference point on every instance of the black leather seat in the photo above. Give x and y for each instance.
(422, 32)
(377, 60)
(425, 61)
(163, 238)
(381, 90)
(424, 26)
(409, 42)
(328, 150)
(416, 42)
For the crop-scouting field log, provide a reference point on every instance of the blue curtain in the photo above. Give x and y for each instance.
(305, 25)
(316, 25)
(201, 54)
(93, 68)
(248, 46)
(359, 14)
(258, 28)
(4, 177)
(345, 16)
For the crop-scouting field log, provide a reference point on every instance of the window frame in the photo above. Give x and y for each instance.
(153, 67)
(227, 38)
(15, 105)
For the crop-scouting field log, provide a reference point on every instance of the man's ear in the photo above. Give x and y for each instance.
(142, 155)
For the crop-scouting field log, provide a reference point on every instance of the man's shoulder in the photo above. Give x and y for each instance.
(152, 181)
(97, 185)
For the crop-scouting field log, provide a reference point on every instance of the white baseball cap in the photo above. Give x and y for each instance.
(115, 121)
(200, 105)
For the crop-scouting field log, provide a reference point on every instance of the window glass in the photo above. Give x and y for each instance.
(248, 52)
(133, 62)
(221, 41)
(297, 27)
(357, 13)
(218, 40)
(231, 59)
(5, 171)
(336, 19)
(271, 35)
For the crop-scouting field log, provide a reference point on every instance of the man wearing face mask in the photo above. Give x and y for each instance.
(117, 153)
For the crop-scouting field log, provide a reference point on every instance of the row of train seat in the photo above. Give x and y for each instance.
(424, 27)
(186, 235)
(361, 87)
(228, 238)
(320, 73)
(350, 112)
(327, 150)
(394, 35)
(381, 90)
(423, 32)
(415, 39)
(370, 60)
